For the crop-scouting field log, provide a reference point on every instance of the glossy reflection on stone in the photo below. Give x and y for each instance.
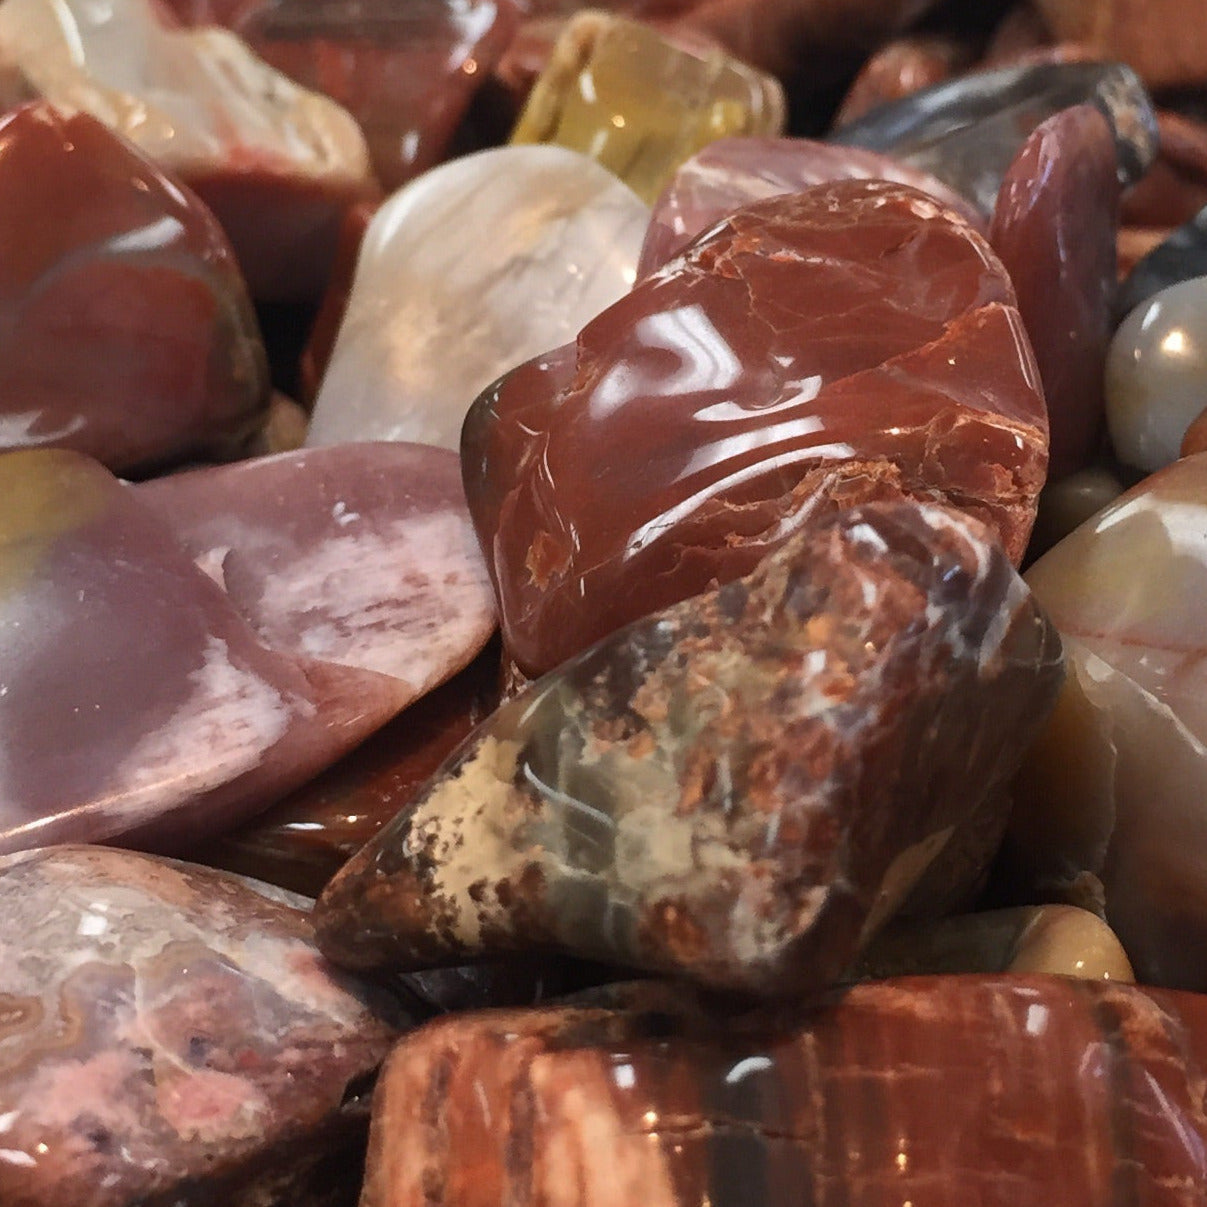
(1117, 785)
(126, 331)
(740, 789)
(953, 1090)
(968, 131)
(135, 700)
(900, 68)
(852, 341)
(482, 263)
(168, 1034)
(1054, 228)
(641, 102)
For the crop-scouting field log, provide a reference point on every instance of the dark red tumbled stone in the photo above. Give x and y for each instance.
(852, 341)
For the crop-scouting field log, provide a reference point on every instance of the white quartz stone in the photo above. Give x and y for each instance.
(475, 267)
(194, 100)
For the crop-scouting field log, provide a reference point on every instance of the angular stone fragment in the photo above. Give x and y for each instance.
(733, 172)
(939, 1090)
(1117, 785)
(134, 700)
(126, 331)
(171, 1035)
(200, 104)
(852, 341)
(640, 103)
(969, 130)
(361, 555)
(484, 262)
(740, 789)
(1180, 257)
(1054, 228)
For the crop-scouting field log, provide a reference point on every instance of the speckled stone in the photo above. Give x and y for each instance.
(740, 789)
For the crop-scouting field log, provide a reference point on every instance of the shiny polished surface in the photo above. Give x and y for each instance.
(741, 789)
(900, 68)
(126, 331)
(640, 102)
(483, 262)
(936, 1091)
(170, 1034)
(855, 340)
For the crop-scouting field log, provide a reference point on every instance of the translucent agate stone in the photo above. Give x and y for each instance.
(989, 1090)
(135, 701)
(1156, 369)
(1054, 228)
(639, 103)
(171, 1035)
(968, 131)
(126, 331)
(482, 263)
(740, 789)
(1116, 787)
(851, 341)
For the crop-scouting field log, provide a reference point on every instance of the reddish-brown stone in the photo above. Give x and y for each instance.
(902, 67)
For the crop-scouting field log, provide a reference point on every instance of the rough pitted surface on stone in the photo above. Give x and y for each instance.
(741, 788)
(944, 1090)
(852, 341)
(170, 1035)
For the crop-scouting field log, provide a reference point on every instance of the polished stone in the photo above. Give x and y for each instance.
(851, 341)
(995, 1091)
(126, 331)
(1054, 228)
(733, 172)
(902, 67)
(1068, 503)
(201, 105)
(134, 699)
(968, 131)
(741, 789)
(361, 555)
(1180, 257)
(480, 264)
(1156, 375)
(1117, 786)
(1175, 188)
(641, 103)
(170, 1035)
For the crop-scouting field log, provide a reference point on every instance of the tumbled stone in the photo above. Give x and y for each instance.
(362, 555)
(1180, 257)
(171, 1035)
(406, 72)
(1174, 189)
(482, 263)
(900, 68)
(134, 700)
(1117, 784)
(641, 103)
(968, 131)
(1068, 503)
(988, 1090)
(851, 341)
(126, 331)
(1054, 228)
(276, 163)
(740, 789)
(733, 172)
(1156, 372)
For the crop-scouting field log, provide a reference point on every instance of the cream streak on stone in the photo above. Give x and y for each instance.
(476, 266)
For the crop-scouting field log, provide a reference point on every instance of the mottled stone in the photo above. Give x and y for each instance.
(406, 72)
(900, 68)
(641, 103)
(1116, 786)
(126, 331)
(1054, 228)
(733, 172)
(854, 340)
(969, 130)
(134, 700)
(938, 1090)
(481, 263)
(1156, 375)
(200, 104)
(741, 789)
(361, 555)
(1180, 257)
(169, 1034)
